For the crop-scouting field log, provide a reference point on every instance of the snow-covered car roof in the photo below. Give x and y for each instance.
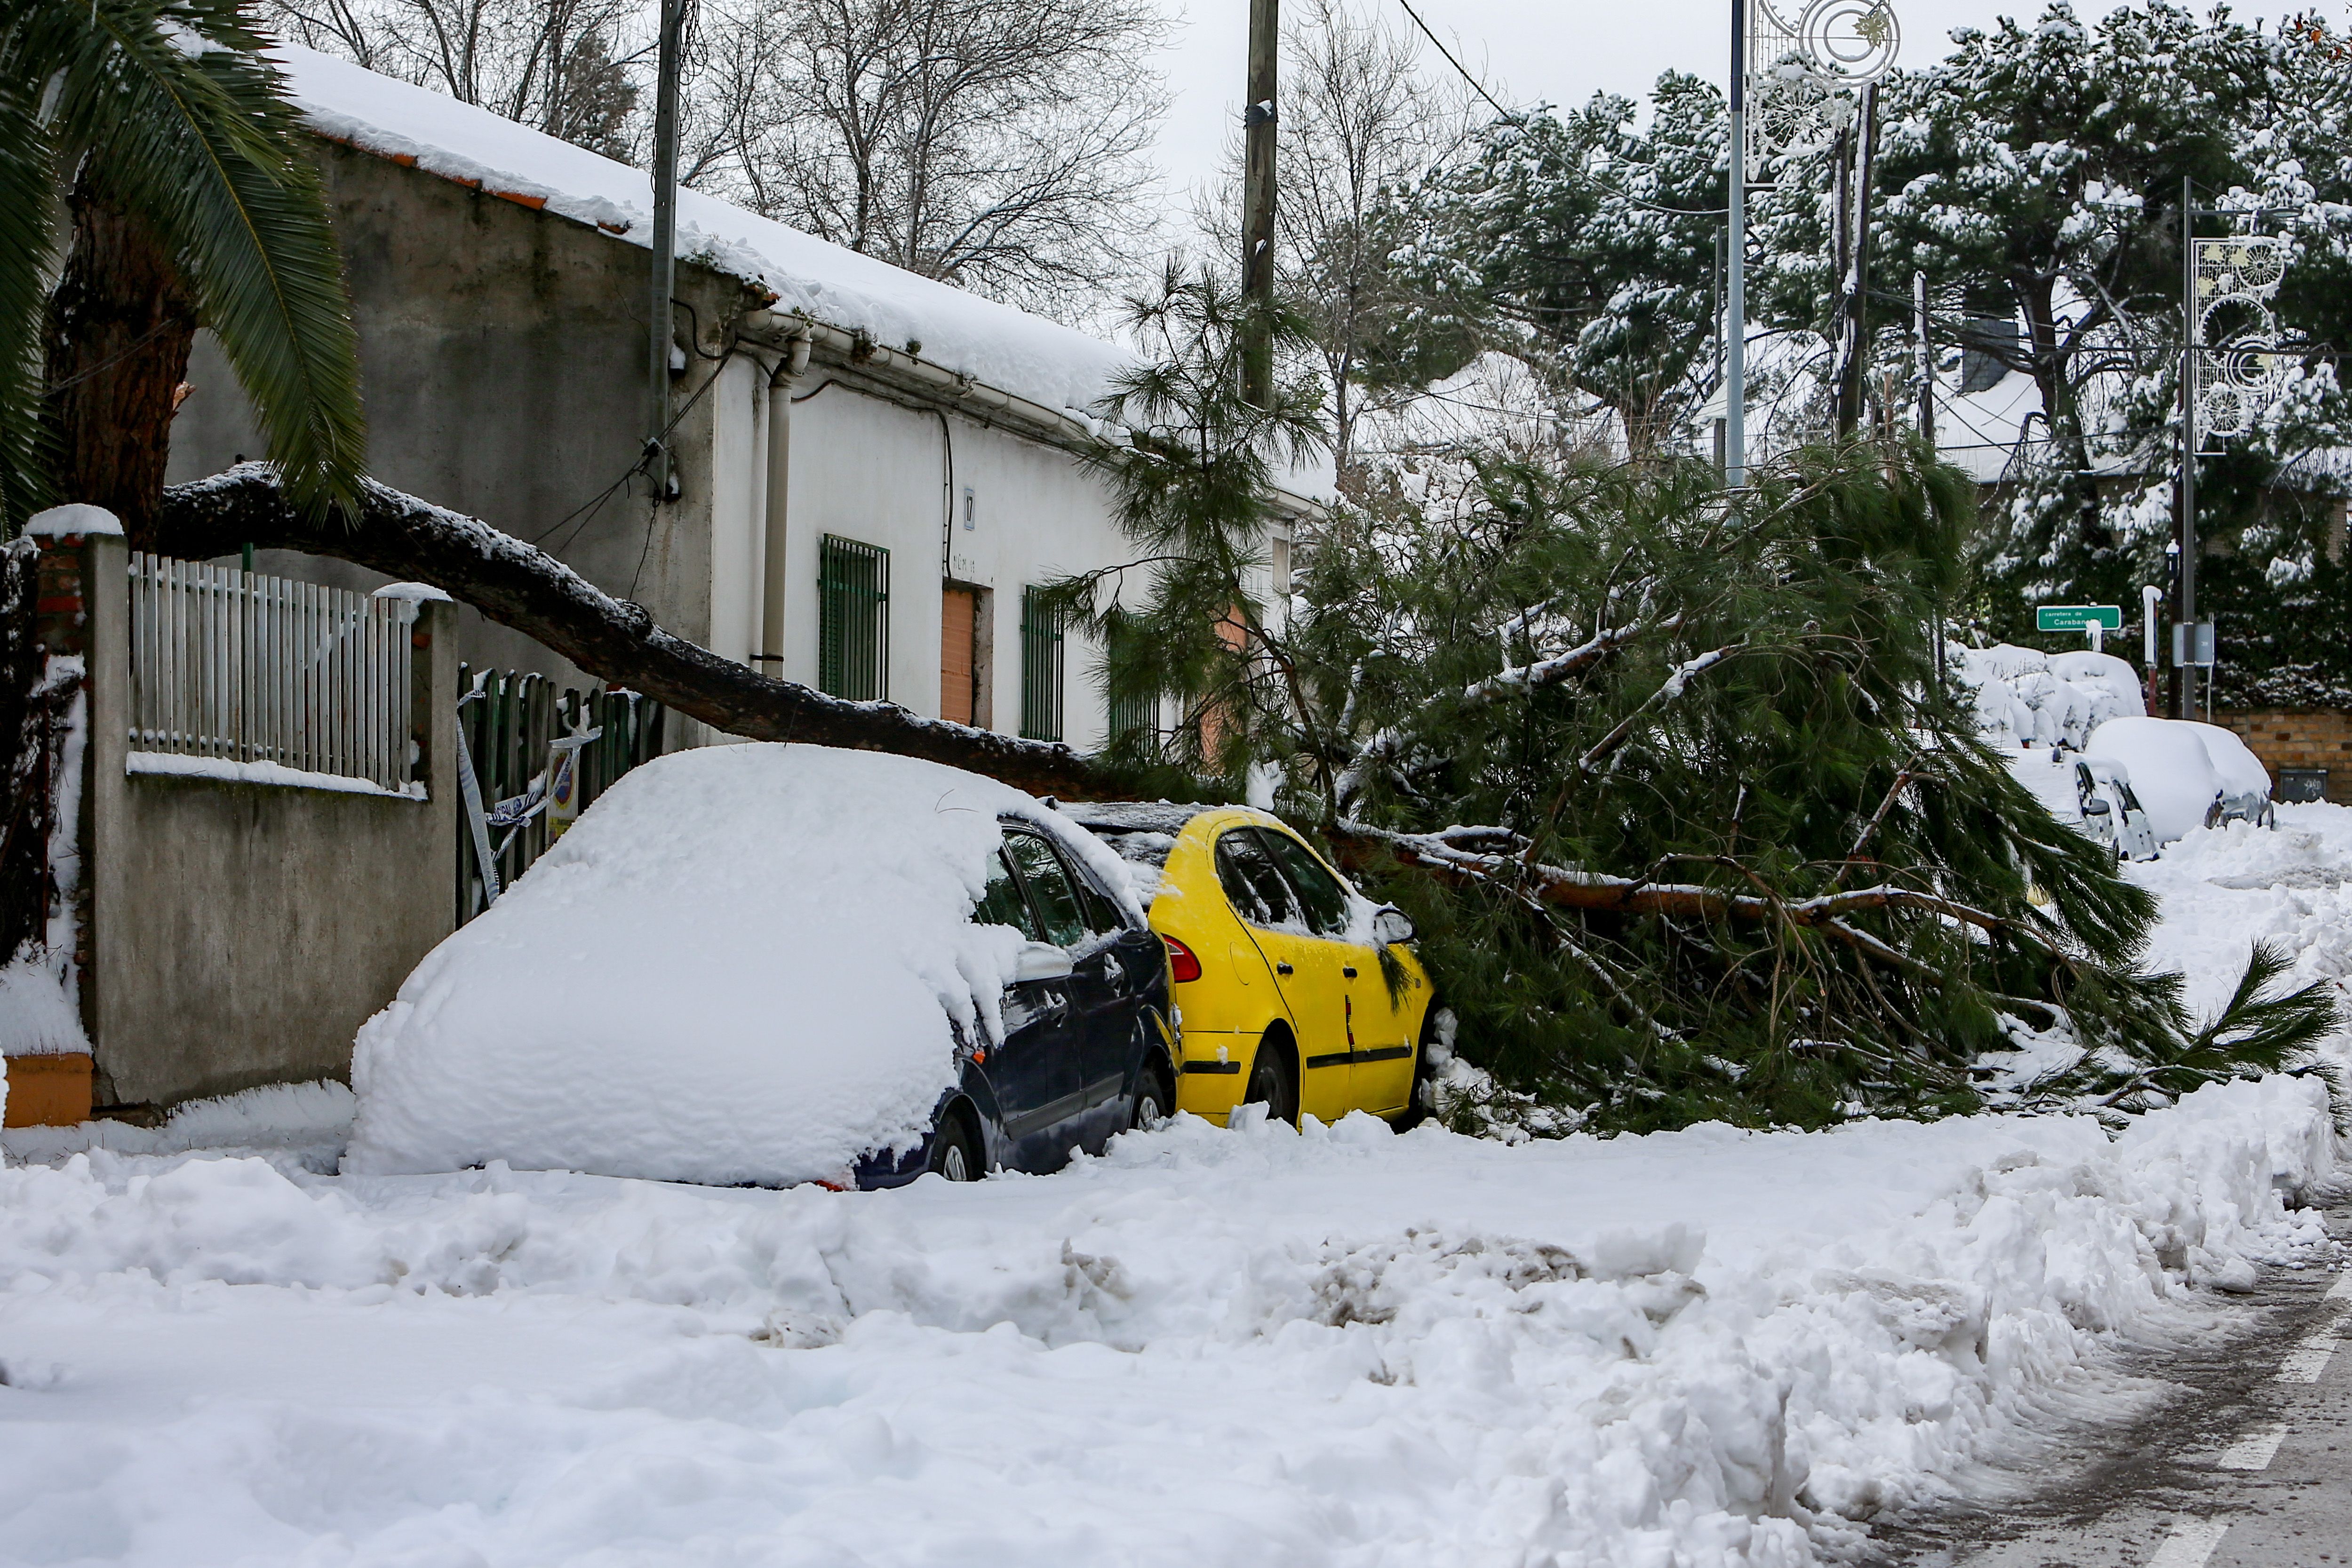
(743, 964)
(1141, 831)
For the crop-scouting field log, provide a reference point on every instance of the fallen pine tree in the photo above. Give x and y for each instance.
(1739, 854)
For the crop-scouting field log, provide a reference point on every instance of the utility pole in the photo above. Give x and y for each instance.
(2184, 673)
(1853, 217)
(1925, 370)
(1258, 128)
(1735, 302)
(1926, 359)
(662, 329)
(1715, 314)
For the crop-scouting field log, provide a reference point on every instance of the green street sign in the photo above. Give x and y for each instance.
(2075, 617)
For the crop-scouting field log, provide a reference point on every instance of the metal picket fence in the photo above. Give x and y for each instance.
(518, 729)
(229, 663)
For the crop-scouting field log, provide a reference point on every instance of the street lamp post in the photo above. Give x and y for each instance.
(1734, 299)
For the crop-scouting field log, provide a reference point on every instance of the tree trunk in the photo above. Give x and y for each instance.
(1856, 177)
(120, 327)
(518, 586)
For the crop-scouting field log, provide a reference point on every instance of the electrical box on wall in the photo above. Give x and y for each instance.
(971, 511)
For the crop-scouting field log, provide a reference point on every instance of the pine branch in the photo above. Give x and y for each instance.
(1568, 665)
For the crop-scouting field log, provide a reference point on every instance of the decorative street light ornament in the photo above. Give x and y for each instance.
(1801, 76)
(2238, 367)
(1851, 42)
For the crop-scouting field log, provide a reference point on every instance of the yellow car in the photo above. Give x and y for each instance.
(1281, 992)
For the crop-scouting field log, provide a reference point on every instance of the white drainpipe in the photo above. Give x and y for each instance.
(768, 641)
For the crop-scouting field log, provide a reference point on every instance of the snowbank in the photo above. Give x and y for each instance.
(2226, 888)
(2026, 696)
(745, 963)
(308, 1123)
(1341, 1347)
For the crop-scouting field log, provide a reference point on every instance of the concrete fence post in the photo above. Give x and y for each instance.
(81, 555)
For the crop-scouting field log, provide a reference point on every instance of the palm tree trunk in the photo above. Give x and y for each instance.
(120, 327)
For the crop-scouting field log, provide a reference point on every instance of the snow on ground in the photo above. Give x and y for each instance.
(1341, 1347)
(2226, 888)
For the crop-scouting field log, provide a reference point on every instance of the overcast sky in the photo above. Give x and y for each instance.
(1559, 51)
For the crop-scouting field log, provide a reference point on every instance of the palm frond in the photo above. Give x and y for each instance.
(27, 248)
(185, 121)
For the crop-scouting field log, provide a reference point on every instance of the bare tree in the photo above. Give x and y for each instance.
(1358, 122)
(995, 143)
(563, 67)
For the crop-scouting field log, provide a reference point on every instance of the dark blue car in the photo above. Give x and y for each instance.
(1086, 1050)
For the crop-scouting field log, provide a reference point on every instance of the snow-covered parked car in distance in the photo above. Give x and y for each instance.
(2092, 796)
(2025, 697)
(2189, 775)
(770, 963)
(2077, 732)
(2110, 811)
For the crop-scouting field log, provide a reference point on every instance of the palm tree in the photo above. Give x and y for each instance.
(159, 134)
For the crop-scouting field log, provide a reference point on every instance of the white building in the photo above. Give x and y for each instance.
(874, 468)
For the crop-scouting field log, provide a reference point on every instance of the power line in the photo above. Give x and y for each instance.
(1513, 114)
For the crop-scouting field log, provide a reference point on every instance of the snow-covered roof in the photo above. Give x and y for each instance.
(1028, 356)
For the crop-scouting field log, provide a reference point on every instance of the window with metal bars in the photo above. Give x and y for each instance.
(853, 620)
(1132, 716)
(1041, 668)
(1135, 716)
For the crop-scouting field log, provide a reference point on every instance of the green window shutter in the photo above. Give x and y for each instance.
(853, 620)
(1041, 670)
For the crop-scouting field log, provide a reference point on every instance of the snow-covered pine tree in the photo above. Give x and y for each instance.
(1587, 247)
(2034, 175)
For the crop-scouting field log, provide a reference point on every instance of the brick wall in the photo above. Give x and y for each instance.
(2308, 737)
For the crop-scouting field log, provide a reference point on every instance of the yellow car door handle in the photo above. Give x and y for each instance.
(1281, 969)
(1348, 970)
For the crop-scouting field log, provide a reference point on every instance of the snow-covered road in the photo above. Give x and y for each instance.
(1343, 1347)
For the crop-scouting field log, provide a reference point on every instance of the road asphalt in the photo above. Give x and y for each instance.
(2245, 1461)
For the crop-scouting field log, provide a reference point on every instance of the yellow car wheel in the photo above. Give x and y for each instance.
(1274, 1077)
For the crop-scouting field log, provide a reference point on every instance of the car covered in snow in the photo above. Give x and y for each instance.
(770, 963)
(1293, 989)
(2191, 775)
(2092, 795)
